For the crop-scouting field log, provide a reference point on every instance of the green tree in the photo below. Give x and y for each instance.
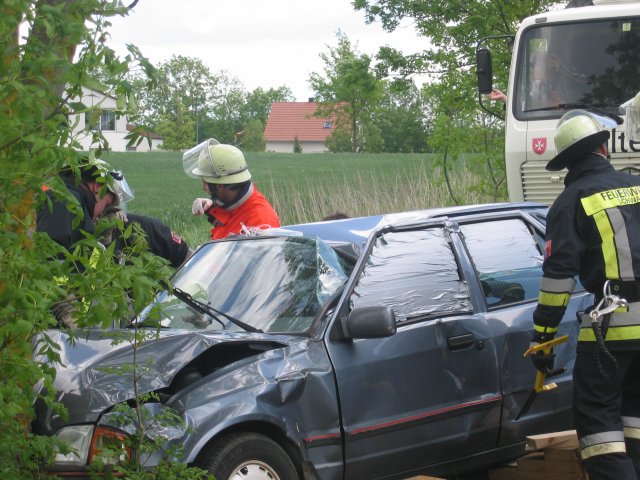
(225, 119)
(49, 49)
(340, 140)
(181, 86)
(402, 117)
(348, 90)
(297, 146)
(252, 138)
(258, 102)
(176, 129)
(451, 31)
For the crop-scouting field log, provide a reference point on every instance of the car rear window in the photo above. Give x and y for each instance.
(507, 258)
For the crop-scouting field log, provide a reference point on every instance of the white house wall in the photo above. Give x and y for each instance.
(287, 147)
(116, 138)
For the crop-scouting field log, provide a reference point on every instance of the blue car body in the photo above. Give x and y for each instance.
(437, 393)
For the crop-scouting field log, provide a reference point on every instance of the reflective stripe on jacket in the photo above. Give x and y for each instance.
(593, 232)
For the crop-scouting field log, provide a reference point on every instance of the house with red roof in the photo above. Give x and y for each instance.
(290, 120)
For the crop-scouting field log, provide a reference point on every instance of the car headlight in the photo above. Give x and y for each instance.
(88, 443)
(78, 438)
(110, 446)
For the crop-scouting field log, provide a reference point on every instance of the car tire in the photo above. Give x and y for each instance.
(247, 456)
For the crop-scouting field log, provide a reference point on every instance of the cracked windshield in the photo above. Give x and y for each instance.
(268, 284)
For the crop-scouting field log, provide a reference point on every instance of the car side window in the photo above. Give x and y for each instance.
(508, 259)
(416, 273)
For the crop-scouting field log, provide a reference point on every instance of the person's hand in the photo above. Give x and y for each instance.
(65, 311)
(110, 216)
(114, 212)
(497, 95)
(543, 362)
(201, 205)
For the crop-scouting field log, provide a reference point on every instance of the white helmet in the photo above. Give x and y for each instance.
(578, 132)
(98, 170)
(216, 163)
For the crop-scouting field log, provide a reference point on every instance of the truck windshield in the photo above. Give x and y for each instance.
(595, 63)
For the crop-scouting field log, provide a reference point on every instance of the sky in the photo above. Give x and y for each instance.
(264, 43)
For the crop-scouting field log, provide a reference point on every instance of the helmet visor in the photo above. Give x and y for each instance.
(123, 189)
(191, 156)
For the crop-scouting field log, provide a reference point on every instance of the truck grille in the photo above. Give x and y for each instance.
(539, 185)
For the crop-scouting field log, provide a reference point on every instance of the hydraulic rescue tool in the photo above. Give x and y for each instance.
(599, 316)
(539, 385)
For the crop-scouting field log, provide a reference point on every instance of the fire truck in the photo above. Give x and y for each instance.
(585, 57)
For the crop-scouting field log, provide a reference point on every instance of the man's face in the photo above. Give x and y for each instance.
(218, 192)
(102, 204)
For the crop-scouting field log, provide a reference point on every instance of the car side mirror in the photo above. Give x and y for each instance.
(484, 70)
(371, 322)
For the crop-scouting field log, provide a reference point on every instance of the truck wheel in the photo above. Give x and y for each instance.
(247, 456)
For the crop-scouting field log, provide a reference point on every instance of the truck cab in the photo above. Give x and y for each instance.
(585, 57)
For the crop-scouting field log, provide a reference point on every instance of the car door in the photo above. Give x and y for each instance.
(431, 392)
(507, 255)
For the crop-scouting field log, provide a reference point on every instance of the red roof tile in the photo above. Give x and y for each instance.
(288, 120)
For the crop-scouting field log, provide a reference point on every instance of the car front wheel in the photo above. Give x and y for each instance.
(247, 456)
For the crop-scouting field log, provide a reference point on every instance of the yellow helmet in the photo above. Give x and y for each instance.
(578, 132)
(216, 163)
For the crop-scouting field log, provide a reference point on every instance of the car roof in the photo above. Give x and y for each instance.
(357, 230)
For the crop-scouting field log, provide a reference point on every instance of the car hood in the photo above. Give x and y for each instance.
(95, 373)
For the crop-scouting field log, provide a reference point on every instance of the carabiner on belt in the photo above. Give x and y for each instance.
(609, 304)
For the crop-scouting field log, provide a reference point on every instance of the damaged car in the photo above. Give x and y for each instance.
(364, 348)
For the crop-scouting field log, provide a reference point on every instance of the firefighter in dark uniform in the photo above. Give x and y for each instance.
(593, 232)
(161, 240)
(92, 197)
(98, 202)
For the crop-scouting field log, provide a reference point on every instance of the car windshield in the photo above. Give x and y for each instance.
(272, 284)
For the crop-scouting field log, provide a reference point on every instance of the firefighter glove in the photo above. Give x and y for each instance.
(543, 362)
(201, 205)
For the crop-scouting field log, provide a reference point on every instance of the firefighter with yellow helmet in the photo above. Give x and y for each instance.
(235, 206)
(593, 232)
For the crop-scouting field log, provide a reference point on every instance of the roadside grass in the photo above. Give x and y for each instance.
(302, 187)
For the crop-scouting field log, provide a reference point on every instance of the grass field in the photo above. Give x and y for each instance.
(302, 188)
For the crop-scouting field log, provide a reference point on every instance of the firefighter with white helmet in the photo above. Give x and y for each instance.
(90, 187)
(235, 205)
(593, 232)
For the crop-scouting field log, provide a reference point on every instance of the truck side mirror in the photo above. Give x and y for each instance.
(484, 69)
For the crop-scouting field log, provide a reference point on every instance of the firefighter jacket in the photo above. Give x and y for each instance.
(161, 240)
(593, 232)
(252, 209)
(58, 221)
